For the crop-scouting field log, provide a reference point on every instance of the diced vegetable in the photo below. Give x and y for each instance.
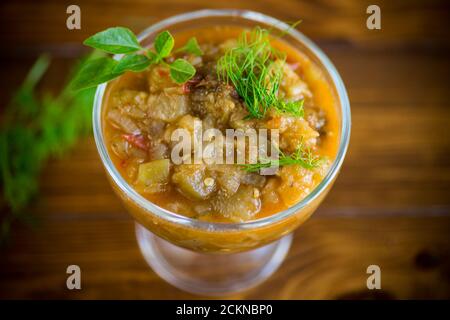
(297, 132)
(190, 179)
(229, 183)
(153, 175)
(228, 178)
(241, 206)
(159, 79)
(167, 107)
(188, 85)
(217, 101)
(124, 148)
(253, 179)
(123, 122)
(292, 86)
(316, 118)
(137, 140)
(270, 193)
(159, 150)
(155, 128)
(119, 147)
(133, 103)
(132, 168)
(296, 183)
(239, 120)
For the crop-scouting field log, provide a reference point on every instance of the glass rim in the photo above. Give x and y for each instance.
(221, 226)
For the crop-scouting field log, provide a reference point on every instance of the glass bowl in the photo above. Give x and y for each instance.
(220, 258)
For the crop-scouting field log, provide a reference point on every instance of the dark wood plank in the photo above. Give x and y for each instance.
(328, 260)
(403, 22)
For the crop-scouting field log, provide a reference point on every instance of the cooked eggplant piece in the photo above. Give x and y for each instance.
(241, 206)
(153, 176)
(193, 181)
(167, 107)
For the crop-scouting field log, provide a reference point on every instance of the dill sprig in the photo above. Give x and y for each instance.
(250, 66)
(301, 156)
(33, 129)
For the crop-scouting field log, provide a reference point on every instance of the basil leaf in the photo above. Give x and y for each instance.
(192, 47)
(132, 62)
(181, 71)
(114, 40)
(164, 43)
(95, 72)
(153, 57)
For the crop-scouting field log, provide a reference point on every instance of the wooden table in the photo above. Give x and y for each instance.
(390, 205)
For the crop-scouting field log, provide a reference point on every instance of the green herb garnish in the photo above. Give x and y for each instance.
(181, 70)
(95, 72)
(114, 40)
(121, 40)
(33, 129)
(164, 43)
(301, 156)
(191, 47)
(252, 68)
(132, 62)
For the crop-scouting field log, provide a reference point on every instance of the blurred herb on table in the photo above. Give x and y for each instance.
(33, 129)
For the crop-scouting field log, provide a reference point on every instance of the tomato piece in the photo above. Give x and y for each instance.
(188, 85)
(137, 140)
(163, 73)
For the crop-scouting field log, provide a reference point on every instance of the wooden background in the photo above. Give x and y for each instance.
(390, 205)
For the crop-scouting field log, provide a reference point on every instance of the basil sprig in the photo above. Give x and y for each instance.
(192, 47)
(114, 40)
(132, 62)
(164, 43)
(181, 71)
(120, 40)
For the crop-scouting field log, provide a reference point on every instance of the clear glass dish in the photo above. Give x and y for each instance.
(220, 258)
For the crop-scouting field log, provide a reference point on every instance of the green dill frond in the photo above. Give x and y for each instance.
(34, 129)
(252, 69)
(301, 156)
(293, 107)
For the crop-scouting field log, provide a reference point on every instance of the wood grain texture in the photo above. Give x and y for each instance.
(328, 260)
(390, 205)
